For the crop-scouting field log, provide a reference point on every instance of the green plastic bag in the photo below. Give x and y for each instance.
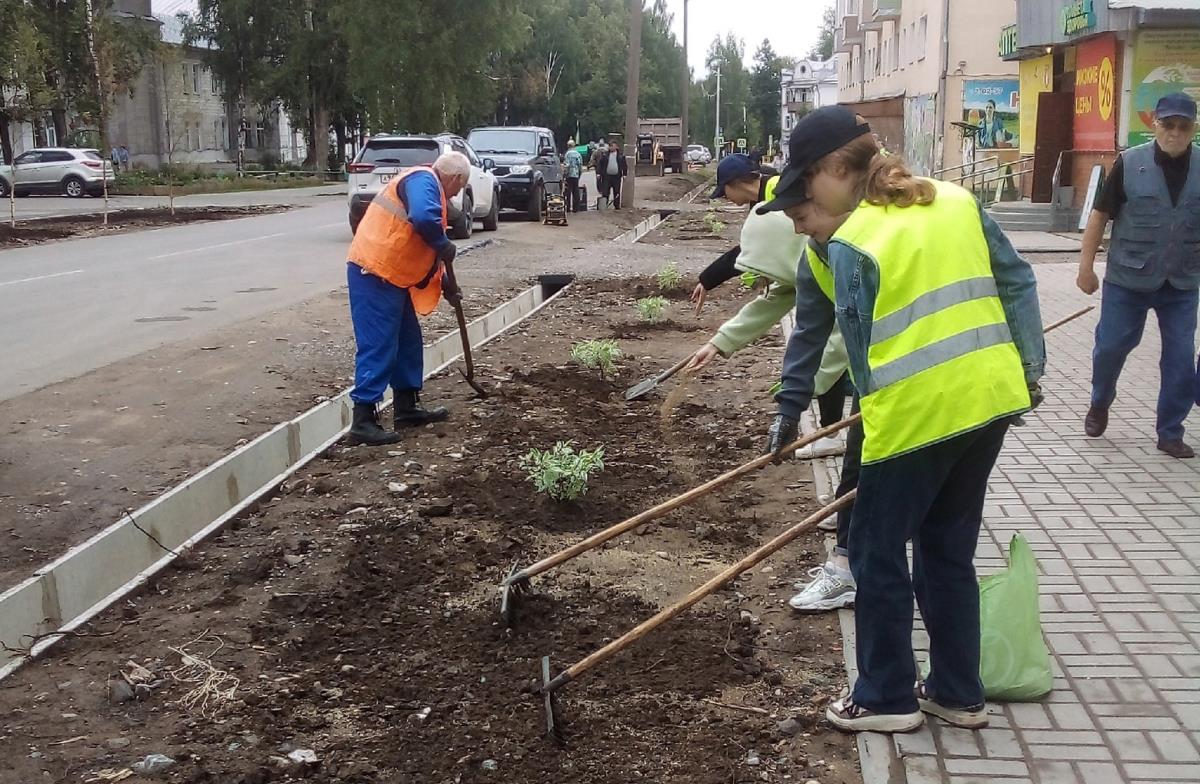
(1014, 662)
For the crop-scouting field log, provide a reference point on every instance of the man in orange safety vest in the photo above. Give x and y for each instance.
(395, 273)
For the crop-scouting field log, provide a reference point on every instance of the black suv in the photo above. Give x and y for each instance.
(527, 165)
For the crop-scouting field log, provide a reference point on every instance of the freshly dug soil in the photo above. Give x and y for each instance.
(36, 232)
(357, 608)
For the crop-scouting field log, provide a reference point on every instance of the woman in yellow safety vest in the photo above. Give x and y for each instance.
(943, 331)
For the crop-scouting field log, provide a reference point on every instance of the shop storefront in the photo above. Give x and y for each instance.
(1090, 74)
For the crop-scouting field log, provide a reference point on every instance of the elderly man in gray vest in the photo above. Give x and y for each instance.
(1153, 197)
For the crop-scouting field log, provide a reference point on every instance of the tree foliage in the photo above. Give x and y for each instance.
(823, 48)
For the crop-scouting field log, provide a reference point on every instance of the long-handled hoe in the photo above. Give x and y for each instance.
(554, 718)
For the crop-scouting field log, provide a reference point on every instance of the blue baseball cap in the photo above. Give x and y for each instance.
(730, 169)
(1176, 105)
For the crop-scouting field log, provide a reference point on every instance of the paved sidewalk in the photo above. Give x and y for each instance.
(1116, 528)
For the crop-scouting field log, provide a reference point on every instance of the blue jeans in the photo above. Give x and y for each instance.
(1122, 319)
(933, 496)
(389, 349)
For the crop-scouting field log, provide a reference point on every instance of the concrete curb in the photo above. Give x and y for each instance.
(71, 590)
(654, 221)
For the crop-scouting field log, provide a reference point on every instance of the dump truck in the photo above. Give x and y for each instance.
(660, 146)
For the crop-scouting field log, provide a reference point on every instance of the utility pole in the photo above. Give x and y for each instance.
(717, 125)
(687, 85)
(633, 71)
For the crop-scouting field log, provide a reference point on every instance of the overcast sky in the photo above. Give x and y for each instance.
(790, 24)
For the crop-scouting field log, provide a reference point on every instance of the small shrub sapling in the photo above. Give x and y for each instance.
(599, 355)
(669, 277)
(651, 309)
(714, 225)
(561, 472)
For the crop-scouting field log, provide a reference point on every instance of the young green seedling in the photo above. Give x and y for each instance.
(599, 355)
(651, 309)
(669, 277)
(748, 279)
(561, 472)
(714, 225)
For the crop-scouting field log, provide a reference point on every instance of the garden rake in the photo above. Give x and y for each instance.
(516, 584)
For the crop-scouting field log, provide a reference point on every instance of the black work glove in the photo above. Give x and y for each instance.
(1035, 395)
(448, 253)
(782, 432)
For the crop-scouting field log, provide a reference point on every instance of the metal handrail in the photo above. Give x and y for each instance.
(938, 174)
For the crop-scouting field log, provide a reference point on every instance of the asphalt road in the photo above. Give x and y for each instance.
(70, 307)
(32, 207)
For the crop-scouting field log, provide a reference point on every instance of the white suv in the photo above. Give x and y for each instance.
(386, 155)
(75, 172)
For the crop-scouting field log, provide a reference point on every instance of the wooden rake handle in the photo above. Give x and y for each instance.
(708, 588)
(599, 538)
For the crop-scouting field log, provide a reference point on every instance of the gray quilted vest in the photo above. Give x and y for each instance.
(1153, 241)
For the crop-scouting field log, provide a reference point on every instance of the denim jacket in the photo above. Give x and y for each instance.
(856, 284)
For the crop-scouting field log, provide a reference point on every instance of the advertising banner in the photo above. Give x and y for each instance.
(993, 107)
(1095, 94)
(1164, 61)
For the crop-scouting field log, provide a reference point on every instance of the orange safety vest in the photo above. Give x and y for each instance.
(387, 246)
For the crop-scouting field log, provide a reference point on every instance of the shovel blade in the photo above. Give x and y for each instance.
(641, 389)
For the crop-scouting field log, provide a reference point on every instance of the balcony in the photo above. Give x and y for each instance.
(848, 34)
(800, 108)
(879, 11)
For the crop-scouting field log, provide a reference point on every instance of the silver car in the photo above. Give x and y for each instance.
(73, 171)
(385, 156)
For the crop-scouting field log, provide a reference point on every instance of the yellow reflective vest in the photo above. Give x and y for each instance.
(940, 359)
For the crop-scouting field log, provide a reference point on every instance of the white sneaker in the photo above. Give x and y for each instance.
(827, 591)
(822, 447)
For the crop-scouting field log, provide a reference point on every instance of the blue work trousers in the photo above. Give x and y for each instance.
(1119, 331)
(934, 497)
(389, 349)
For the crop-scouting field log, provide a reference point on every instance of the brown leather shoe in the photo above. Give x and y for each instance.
(1177, 449)
(1096, 421)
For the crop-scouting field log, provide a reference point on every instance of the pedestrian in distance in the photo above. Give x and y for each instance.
(613, 164)
(597, 155)
(396, 273)
(944, 337)
(572, 171)
(115, 156)
(1152, 195)
(124, 153)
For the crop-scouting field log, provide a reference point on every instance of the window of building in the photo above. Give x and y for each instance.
(196, 78)
(186, 77)
(922, 34)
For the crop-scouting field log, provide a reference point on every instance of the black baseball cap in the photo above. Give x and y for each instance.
(816, 135)
(1176, 105)
(731, 169)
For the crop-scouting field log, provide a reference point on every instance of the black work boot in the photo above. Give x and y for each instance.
(365, 429)
(410, 412)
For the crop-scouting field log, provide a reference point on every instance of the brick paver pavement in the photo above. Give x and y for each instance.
(1116, 528)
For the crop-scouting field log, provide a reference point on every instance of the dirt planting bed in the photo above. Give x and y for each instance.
(36, 232)
(355, 612)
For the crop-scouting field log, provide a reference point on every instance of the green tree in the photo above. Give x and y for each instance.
(823, 48)
(765, 93)
(237, 36)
